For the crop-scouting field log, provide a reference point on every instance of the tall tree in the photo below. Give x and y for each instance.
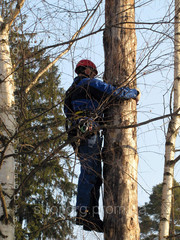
(7, 120)
(42, 197)
(120, 153)
(173, 129)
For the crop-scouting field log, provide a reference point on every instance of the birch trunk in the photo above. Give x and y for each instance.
(7, 129)
(7, 122)
(120, 151)
(172, 132)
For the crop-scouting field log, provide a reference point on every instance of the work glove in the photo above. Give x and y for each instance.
(139, 95)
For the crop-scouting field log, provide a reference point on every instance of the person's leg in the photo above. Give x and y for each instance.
(89, 155)
(89, 179)
(95, 193)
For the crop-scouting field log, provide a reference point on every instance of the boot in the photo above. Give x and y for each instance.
(93, 224)
(80, 217)
(89, 223)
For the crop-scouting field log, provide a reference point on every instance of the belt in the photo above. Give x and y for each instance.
(80, 114)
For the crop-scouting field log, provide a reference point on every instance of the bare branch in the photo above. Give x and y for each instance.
(176, 235)
(10, 19)
(42, 71)
(142, 123)
(50, 224)
(176, 159)
(102, 28)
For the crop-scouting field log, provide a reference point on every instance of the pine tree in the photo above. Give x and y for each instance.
(43, 169)
(150, 213)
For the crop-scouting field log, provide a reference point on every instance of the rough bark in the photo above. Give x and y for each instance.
(172, 132)
(120, 151)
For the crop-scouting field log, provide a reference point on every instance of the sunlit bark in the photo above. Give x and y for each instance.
(172, 132)
(120, 153)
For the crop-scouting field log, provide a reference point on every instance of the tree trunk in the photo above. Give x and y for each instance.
(7, 122)
(172, 224)
(7, 129)
(173, 129)
(120, 151)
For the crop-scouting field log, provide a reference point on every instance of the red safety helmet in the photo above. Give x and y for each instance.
(86, 63)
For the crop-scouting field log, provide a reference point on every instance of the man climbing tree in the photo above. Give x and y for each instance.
(84, 105)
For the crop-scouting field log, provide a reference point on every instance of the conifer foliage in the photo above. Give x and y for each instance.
(43, 169)
(149, 214)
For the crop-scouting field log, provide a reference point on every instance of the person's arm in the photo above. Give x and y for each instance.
(102, 90)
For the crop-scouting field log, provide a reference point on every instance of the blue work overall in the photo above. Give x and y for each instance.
(90, 176)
